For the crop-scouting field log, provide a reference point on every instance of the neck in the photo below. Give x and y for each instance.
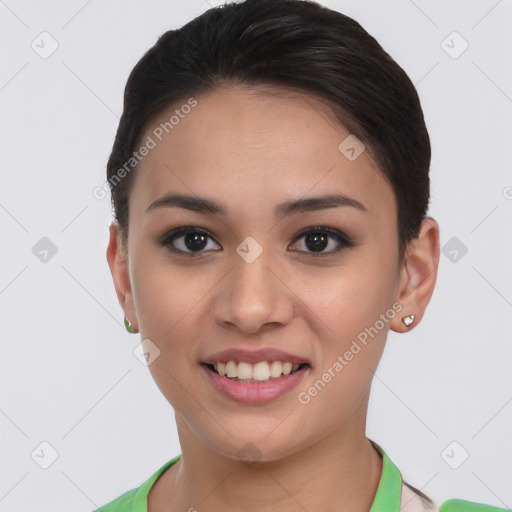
(342, 468)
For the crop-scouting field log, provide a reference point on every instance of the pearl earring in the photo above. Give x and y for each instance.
(408, 320)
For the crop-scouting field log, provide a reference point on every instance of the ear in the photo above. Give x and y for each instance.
(118, 263)
(418, 275)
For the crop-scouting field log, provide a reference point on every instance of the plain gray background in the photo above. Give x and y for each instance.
(69, 377)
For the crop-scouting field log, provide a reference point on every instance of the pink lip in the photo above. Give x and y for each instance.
(254, 356)
(255, 392)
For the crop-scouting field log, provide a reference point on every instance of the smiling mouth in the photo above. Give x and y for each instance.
(211, 367)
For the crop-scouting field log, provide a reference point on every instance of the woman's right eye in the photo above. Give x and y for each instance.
(186, 240)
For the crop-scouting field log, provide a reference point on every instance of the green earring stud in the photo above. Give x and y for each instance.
(128, 325)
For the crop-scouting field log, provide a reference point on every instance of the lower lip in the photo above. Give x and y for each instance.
(255, 392)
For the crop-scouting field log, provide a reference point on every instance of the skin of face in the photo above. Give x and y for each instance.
(251, 151)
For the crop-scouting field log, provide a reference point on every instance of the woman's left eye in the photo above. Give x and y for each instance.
(317, 239)
(193, 241)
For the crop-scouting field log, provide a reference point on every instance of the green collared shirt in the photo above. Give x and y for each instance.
(392, 495)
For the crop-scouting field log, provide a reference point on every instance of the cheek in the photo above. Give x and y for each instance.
(350, 297)
(352, 338)
(164, 293)
(168, 307)
(168, 302)
(354, 304)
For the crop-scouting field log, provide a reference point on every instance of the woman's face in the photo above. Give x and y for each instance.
(257, 279)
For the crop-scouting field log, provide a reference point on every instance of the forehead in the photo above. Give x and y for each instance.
(254, 147)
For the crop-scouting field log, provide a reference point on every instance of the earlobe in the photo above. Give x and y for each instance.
(118, 263)
(418, 276)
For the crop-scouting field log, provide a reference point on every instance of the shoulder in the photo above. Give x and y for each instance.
(121, 504)
(135, 500)
(468, 506)
(413, 500)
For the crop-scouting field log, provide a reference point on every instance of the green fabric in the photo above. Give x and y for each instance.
(136, 500)
(467, 506)
(389, 491)
(140, 500)
(387, 498)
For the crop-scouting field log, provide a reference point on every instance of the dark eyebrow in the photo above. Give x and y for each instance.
(194, 203)
(203, 205)
(317, 203)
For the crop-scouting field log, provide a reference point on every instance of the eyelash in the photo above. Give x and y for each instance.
(343, 240)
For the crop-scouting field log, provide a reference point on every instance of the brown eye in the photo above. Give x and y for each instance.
(193, 241)
(186, 240)
(317, 239)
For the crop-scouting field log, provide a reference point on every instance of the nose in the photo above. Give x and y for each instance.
(254, 296)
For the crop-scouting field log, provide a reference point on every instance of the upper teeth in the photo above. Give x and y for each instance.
(259, 371)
